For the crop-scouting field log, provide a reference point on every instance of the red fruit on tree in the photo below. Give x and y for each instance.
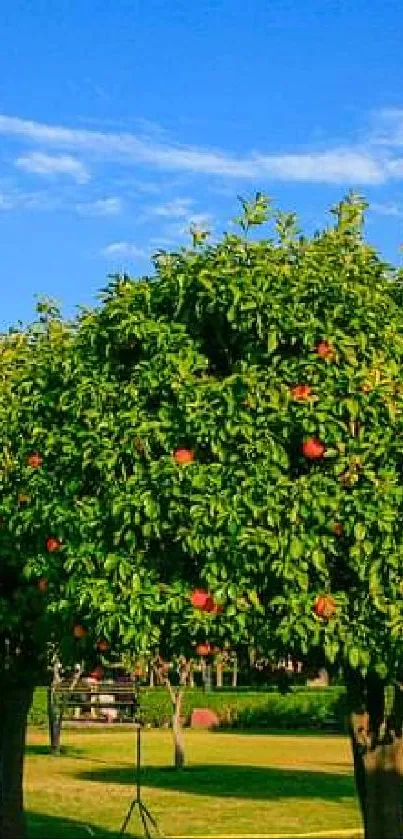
(301, 392)
(103, 646)
(324, 606)
(207, 649)
(324, 349)
(79, 631)
(313, 448)
(337, 529)
(42, 584)
(199, 598)
(53, 544)
(35, 460)
(184, 456)
(210, 605)
(203, 649)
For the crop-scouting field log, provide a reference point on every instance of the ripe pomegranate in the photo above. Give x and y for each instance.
(301, 392)
(324, 349)
(203, 649)
(199, 598)
(35, 460)
(337, 529)
(79, 631)
(324, 606)
(53, 544)
(183, 456)
(313, 448)
(103, 646)
(42, 584)
(210, 605)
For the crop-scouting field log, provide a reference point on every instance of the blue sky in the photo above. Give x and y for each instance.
(121, 123)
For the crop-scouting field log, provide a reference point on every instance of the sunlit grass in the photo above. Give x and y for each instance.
(233, 784)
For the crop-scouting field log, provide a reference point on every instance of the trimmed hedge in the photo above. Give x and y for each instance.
(309, 708)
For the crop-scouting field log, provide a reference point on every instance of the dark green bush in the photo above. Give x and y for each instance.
(308, 708)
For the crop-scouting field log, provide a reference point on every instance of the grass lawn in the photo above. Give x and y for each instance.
(234, 784)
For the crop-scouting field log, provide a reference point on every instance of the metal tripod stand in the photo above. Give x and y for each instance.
(144, 813)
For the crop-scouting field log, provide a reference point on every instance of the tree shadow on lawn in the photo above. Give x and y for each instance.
(44, 826)
(65, 751)
(248, 782)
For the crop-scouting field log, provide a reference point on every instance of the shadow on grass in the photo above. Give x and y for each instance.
(281, 732)
(65, 751)
(247, 782)
(43, 826)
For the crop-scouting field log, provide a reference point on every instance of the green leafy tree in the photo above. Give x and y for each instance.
(232, 424)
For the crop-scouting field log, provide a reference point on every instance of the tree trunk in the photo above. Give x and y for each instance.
(208, 682)
(377, 745)
(55, 709)
(235, 671)
(55, 718)
(176, 695)
(219, 673)
(177, 729)
(15, 703)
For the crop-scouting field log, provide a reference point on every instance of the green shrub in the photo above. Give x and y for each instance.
(309, 708)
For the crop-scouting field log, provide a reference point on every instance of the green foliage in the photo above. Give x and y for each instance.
(203, 355)
(303, 709)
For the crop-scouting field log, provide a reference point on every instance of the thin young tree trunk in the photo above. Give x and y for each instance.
(15, 703)
(377, 745)
(208, 686)
(235, 671)
(176, 695)
(219, 672)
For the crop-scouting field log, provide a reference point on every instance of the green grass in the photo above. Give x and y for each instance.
(234, 784)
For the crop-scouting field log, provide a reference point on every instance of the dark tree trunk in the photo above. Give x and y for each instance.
(377, 745)
(15, 703)
(55, 719)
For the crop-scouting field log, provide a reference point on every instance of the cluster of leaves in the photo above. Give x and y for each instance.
(204, 355)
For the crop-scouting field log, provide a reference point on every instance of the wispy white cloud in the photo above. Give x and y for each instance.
(101, 207)
(345, 165)
(40, 163)
(387, 127)
(6, 202)
(124, 250)
(13, 198)
(178, 208)
(388, 208)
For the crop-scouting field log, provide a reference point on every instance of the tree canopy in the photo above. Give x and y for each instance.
(231, 424)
